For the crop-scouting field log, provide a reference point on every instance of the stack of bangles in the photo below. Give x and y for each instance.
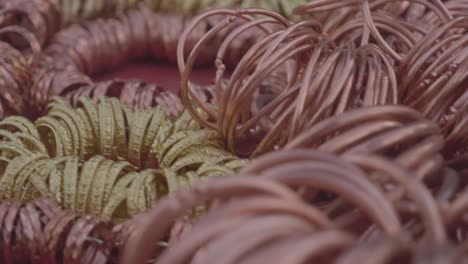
(329, 132)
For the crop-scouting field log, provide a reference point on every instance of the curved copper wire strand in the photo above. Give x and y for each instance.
(267, 230)
(173, 207)
(352, 117)
(268, 227)
(389, 223)
(414, 189)
(185, 66)
(231, 134)
(383, 250)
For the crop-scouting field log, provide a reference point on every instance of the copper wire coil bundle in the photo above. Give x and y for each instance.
(455, 128)
(40, 232)
(260, 207)
(455, 202)
(383, 22)
(135, 33)
(74, 11)
(74, 54)
(398, 132)
(15, 64)
(432, 75)
(40, 17)
(46, 17)
(72, 85)
(446, 193)
(15, 79)
(258, 58)
(458, 8)
(362, 106)
(135, 93)
(106, 159)
(254, 106)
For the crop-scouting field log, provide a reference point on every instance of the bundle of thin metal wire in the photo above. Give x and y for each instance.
(400, 133)
(40, 232)
(45, 17)
(106, 159)
(252, 106)
(354, 115)
(355, 54)
(74, 11)
(15, 79)
(74, 54)
(274, 211)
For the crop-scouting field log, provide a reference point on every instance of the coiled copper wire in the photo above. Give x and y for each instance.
(360, 180)
(135, 93)
(434, 74)
(40, 232)
(398, 132)
(458, 8)
(45, 17)
(334, 80)
(242, 205)
(386, 27)
(15, 74)
(74, 54)
(133, 34)
(41, 17)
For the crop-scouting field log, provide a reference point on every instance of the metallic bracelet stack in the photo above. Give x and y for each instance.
(106, 159)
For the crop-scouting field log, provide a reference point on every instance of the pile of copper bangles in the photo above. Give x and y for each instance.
(332, 132)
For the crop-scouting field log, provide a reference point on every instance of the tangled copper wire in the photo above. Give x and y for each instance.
(40, 232)
(336, 78)
(15, 80)
(261, 207)
(353, 178)
(358, 55)
(74, 54)
(46, 17)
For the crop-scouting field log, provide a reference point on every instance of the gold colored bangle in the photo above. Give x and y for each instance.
(30, 142)
(72, 128)
(98, 186)
(136, 135)
(134, 192)
(25, 191)
(85, 182)
(118, 195)
(39, 180)
(157, 120)
(92, 114)
(193, 138)
(118, 170)
(88, 139)
(106, 129)
(74, 123)
(51, 131)
(14, 167)
(20, 187)
(70, 182)
(55, 181)
(19, 123)
(120, 129)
